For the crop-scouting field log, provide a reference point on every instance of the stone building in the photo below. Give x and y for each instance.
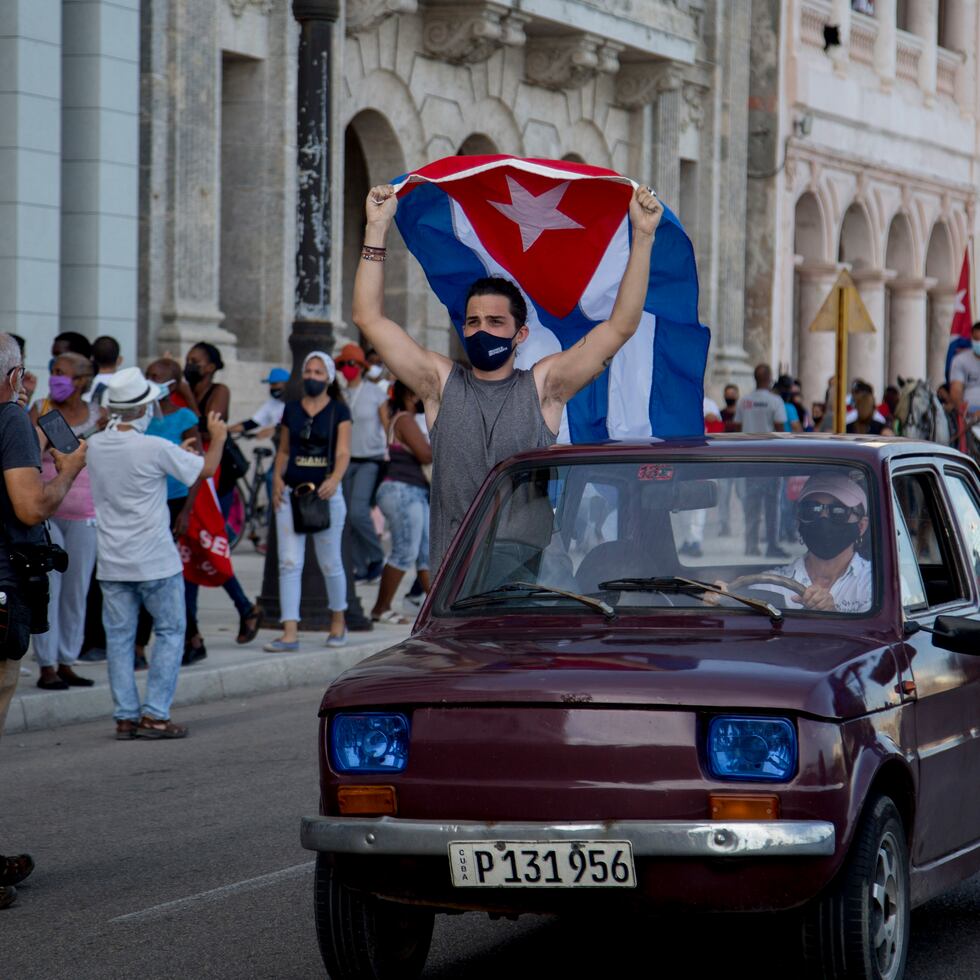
(863, 155)
(656, 89)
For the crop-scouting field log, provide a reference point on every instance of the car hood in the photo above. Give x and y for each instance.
(824, 675)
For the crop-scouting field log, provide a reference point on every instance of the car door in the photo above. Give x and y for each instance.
(935, 579)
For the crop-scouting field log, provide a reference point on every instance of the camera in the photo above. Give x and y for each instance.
(31, 564)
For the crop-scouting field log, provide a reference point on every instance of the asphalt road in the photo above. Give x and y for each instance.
(181, 859)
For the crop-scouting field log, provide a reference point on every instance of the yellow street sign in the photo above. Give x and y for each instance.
(844, 312)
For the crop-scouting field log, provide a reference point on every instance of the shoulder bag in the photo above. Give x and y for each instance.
(310, 512)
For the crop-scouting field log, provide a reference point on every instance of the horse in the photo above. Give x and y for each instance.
(920, 414)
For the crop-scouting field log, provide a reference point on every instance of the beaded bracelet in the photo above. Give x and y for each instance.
(372, 257)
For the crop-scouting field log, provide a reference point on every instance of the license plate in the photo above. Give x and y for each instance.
(542, 864)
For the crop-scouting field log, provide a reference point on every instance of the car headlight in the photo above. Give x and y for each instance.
(749, 748)
(371, 741)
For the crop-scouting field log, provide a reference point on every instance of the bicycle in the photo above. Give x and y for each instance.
(251, 507)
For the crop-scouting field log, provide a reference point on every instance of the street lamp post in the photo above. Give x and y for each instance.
(312, 328)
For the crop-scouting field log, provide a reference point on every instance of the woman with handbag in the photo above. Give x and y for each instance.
(404, 500)
(203, 362)
(313, 456)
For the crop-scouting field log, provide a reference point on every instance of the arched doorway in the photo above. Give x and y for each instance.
(866, 351)
(372, 155)
(814, 352)
(905, 341)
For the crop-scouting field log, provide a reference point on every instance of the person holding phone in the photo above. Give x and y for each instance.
(72, 527)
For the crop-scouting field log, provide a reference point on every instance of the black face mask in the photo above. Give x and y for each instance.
(730, 401)
(193, 374)
(827, 539)
(313, 387)
(276, 392)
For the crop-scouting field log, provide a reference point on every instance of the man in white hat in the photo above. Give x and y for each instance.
(138, 561)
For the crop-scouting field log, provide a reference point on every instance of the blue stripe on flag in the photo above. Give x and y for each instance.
(677, 392)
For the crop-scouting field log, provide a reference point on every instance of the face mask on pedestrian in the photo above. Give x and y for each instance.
(314, 387)
(975, 344)
(350, 372)
(826, 539)
(60, 387)
(374, 372)
(141, 424)
(193, 374)
(730, 401)
(488, 352)
(276, 392)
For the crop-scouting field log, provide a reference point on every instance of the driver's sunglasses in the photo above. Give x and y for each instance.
(809, 510)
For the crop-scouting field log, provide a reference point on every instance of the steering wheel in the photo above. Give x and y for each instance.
(767, 578)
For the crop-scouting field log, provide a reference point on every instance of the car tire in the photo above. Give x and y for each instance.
(859, 928)
(363, 937)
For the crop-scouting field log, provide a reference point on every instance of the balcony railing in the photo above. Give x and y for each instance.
(908, 54)
(864, 33)
(947, 64)
(814, 15)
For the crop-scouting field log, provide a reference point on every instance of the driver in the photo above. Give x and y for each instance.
(832, 516)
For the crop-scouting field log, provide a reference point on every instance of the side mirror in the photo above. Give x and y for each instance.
(957, 633)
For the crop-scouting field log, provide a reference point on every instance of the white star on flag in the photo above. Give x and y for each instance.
(535, 214)
(959, 306)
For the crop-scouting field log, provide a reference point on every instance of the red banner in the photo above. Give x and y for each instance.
(204, 548)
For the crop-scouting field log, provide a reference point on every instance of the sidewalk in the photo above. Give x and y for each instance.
(229, 671)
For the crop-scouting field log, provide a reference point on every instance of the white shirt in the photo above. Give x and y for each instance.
(965, 367)
(269, 413)
(711, 407)
(761, 411)
(128, 472)
(367, 437)
(851, 592)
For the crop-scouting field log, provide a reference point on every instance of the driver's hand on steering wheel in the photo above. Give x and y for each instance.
(816, 597)
(712, 598)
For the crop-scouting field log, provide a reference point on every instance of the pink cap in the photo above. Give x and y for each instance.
(837, 485)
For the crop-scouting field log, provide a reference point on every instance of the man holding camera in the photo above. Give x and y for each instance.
(26, 502)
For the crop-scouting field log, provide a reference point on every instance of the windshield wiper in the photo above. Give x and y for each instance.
(688, 586)
(506, 591)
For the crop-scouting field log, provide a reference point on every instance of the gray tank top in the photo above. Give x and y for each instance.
(479, 424)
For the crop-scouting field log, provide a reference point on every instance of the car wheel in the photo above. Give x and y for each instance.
(859, 929)
(363, 937)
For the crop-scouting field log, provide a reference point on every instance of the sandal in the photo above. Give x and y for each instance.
(391, 618)
(248, 625)
(13, 870)
(125, 730)
(158, 728)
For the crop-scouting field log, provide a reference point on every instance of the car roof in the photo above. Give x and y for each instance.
(866, 449)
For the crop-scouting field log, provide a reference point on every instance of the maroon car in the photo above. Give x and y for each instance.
(646, 668)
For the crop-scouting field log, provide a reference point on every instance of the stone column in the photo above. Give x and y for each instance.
(924, 21)
(30, 181)
(816, 349)
(908, 329)
(192, 313)
(728, 359)
(100, 170)
(840, 14)
(885, 15)
(667, 175)
(942, 306)
(866, 351)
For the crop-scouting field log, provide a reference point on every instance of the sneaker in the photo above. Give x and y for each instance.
(94, 655)
(281, 646)
(337, 641)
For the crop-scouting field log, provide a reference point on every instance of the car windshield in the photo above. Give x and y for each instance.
(642, 535)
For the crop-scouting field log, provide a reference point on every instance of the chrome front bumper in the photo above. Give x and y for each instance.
(650, 838)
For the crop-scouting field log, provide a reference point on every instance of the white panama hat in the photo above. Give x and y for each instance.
(129, 388)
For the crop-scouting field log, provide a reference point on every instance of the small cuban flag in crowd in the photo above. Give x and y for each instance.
(561, 231)
(962, 325)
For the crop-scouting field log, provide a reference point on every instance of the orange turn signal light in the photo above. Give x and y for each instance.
(372, 801)
(733, 807)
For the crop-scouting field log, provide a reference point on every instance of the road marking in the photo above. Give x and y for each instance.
(250, 884)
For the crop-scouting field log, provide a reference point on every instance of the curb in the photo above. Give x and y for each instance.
(197, 685)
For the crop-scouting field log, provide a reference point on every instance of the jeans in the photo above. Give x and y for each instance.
(164, 600)
(761, 501)
(359, 481)
(406, 509)
(292, 556)
(69, 593)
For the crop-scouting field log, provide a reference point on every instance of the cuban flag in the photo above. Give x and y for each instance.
(960, 329)
(561, 232)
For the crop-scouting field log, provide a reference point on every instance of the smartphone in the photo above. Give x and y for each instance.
(58, 431)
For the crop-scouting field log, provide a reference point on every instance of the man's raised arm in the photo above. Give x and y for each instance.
(560, 376)
(425, 372)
